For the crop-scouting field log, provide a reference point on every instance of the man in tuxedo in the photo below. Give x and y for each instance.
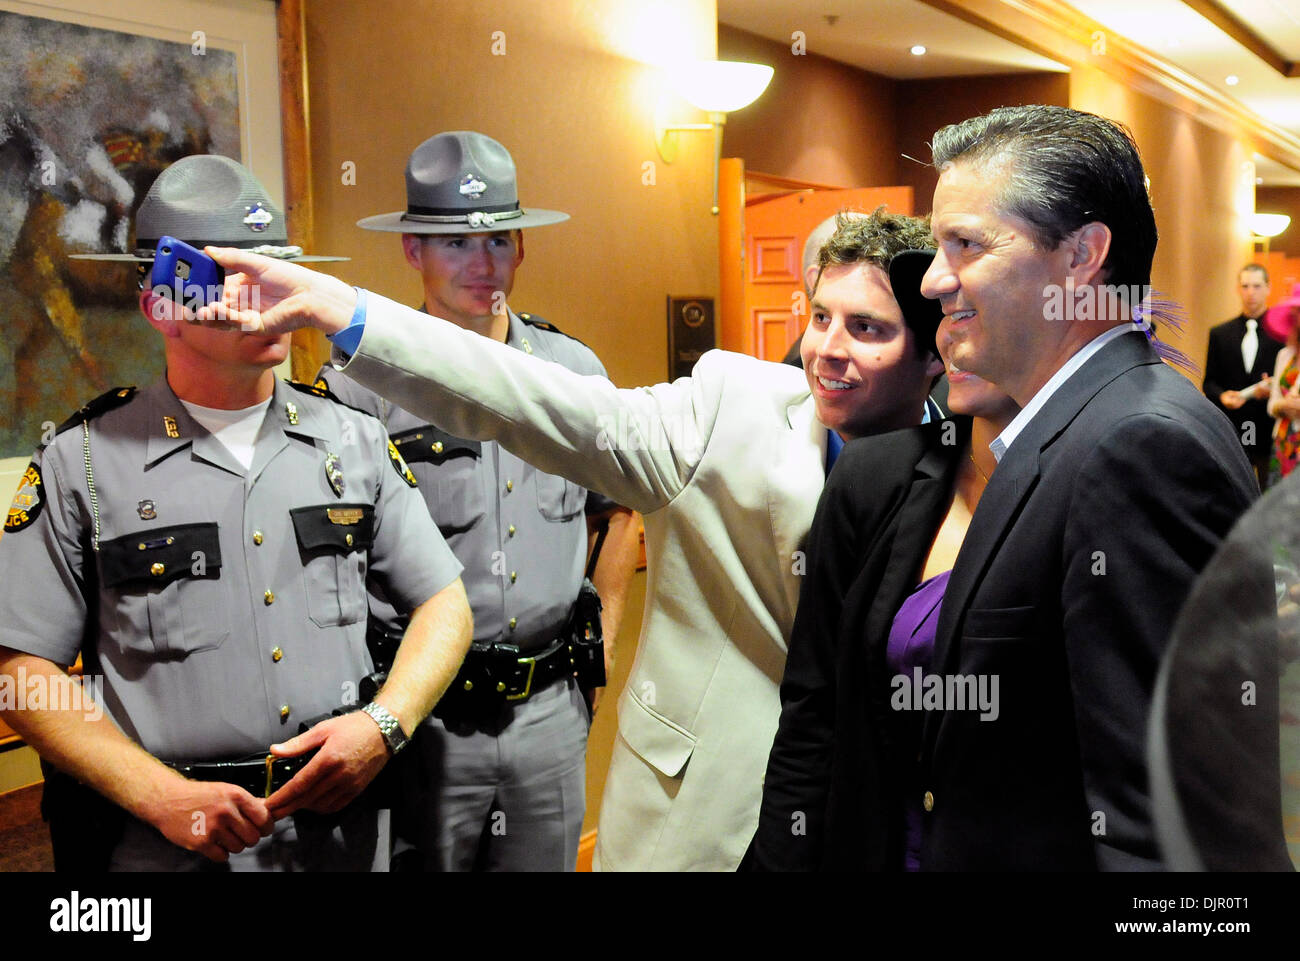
(1115, 484)
(1242, 354)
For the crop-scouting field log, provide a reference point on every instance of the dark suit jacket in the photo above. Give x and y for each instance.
(832, 794)
(1084, 546)
(1225, 371)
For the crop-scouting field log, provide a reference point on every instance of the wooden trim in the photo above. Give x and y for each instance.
(1238, 30)
(1056, 30)
(308, 349)
(586, 851)
(787, 183)
(732, 329)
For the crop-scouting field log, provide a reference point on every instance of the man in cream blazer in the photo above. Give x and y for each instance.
(725, 466)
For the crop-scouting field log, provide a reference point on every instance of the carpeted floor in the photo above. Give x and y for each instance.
(24, 839)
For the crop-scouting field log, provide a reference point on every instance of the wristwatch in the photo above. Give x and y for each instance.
(388, 726)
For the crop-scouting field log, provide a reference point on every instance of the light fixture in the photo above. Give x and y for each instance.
(717, 87)
(1268, 225)
(1232, 80)
(918, 51)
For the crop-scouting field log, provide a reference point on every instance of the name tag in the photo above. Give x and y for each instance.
(345, 515)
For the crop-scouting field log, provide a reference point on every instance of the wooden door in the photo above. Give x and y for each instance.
(773, 231)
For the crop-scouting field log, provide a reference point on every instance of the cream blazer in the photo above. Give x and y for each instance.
(726, 467)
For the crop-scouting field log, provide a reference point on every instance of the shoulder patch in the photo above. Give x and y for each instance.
(28, 500)
(97, 407)
(399, 465)
(532, 320)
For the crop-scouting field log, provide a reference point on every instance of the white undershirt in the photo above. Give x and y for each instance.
(235, 429)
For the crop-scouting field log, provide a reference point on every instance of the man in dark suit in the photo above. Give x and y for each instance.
(1242, 354)
(1114, 486)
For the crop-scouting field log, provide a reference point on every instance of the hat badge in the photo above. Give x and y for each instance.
(472, 187)
(258, 217)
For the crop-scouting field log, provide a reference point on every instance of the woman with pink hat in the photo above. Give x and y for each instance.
(1281, 322)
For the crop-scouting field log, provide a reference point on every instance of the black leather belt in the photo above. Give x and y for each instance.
(260, 775)
(497, 674)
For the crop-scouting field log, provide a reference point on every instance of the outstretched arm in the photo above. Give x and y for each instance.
(637, 446)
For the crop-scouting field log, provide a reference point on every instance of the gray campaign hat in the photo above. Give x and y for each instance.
(209, 199)
(461, 182)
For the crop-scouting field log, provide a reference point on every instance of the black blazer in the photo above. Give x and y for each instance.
(831, 796)
(1086, 542)
(1225, 371)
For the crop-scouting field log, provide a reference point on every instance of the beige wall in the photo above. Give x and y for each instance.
(818, 120)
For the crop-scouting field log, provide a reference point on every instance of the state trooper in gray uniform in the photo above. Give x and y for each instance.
(504, 754)
(205, 545)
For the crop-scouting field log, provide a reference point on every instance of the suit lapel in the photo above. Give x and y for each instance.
(1015, 478)
(795, 478)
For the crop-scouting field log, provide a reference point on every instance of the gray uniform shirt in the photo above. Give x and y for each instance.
(521, 533)
(222, 607)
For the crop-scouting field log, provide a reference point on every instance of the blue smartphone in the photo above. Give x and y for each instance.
(186, 274)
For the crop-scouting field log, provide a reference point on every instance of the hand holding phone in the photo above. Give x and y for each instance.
(186, 274)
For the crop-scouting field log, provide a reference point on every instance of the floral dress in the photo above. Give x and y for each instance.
(1286, 438)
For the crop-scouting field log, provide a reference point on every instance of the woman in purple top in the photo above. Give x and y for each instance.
(840, 791)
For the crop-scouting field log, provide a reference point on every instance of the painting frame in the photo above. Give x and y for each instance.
(268, 39)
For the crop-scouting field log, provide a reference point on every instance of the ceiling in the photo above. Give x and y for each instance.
(877, 35)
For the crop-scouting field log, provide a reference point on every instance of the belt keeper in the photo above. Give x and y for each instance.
(270, 766)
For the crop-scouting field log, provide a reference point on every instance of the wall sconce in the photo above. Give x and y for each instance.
(717, 87)
(1268, 225)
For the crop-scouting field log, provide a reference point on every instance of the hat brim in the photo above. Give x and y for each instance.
(921, 313)
(133, 259)
(396, 222)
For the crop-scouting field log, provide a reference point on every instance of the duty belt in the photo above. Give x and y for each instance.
(261, 775)
(496, 674)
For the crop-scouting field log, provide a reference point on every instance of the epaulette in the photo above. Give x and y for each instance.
(97, 407)
(532, 320)
(322, 390)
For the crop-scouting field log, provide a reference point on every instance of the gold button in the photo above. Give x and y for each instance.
(501, 686)
(469, 685)
(513, 622)
(349, 540)
(437, 447)
(509, 530)
(157, 570)
(269, 597)
(141, 546)
(284, 712)
(927, 801)
(513, 577)
(510, 485)
(276, 654)
(257, 537)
